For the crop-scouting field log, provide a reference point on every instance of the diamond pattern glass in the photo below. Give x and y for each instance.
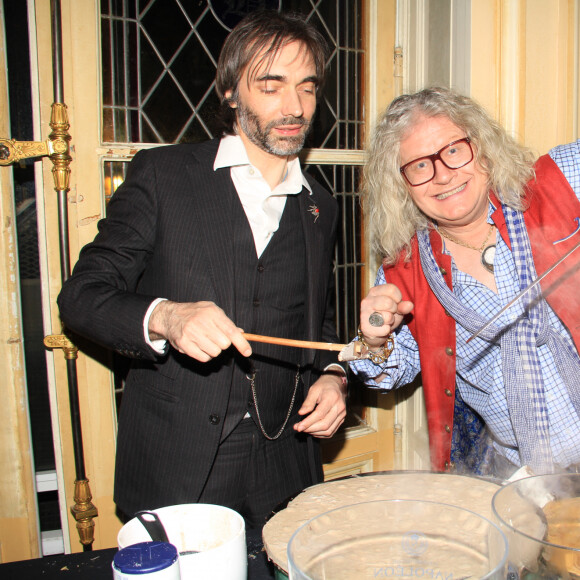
(160, 56)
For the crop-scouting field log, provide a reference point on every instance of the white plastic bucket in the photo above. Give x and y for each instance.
(216, 533)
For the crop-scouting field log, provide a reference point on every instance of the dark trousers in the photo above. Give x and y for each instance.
(253, 475)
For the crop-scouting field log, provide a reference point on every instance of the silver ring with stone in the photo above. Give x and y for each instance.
(375, 319)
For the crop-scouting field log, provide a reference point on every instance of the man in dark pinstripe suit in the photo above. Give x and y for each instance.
(204, 241)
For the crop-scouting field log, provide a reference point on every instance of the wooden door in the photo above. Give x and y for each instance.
(19, 534)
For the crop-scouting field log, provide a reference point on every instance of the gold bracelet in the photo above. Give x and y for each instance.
(383, 353)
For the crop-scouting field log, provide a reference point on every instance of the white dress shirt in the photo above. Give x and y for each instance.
(263, 206)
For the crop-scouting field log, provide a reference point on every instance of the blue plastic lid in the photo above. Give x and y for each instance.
(145, 557)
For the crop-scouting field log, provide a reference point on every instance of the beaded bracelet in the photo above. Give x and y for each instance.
(383, 353)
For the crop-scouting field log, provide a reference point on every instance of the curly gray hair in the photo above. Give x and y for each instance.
(393, 218)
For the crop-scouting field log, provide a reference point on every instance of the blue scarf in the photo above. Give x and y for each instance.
(519, 342)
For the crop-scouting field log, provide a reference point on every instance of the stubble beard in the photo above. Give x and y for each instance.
(263, 137)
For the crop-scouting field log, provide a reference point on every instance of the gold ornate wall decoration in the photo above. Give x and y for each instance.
(56, 147)
(53, 341)
(84, 512)
(12, 151)
(59, 143)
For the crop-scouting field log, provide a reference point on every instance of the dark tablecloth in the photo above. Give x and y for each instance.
(96, 565)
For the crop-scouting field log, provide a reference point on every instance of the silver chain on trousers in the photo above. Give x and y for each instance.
(252, 380)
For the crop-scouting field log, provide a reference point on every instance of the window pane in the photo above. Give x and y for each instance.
(114, 174)
(349, 254)
(159, 60)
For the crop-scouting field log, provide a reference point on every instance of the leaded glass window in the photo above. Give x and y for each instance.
(160, 57)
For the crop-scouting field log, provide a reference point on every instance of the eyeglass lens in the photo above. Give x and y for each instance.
(453, 156)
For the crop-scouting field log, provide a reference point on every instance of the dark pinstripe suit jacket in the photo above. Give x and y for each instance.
(168, 234)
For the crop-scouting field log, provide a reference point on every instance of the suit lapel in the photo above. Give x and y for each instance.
(314, 241)
(213, 195)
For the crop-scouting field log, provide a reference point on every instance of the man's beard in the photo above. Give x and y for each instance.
(264, 138)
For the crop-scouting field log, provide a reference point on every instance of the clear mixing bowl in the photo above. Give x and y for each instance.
(540, 516)
(397, 538)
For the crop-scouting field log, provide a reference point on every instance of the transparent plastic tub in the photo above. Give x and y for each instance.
(540, 517)
(397, 538)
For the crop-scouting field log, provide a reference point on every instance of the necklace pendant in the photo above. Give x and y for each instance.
(487, 257)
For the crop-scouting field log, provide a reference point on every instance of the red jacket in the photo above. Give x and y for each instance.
(553, 207)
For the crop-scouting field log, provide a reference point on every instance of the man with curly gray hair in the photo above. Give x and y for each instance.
(464, 219)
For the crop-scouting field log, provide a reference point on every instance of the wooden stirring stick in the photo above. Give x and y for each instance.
(348, 352)
(292, 342)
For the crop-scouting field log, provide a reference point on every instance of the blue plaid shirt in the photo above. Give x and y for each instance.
(478, 366)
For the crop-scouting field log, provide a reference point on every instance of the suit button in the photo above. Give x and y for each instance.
(250, 404)
(447, 428)
(214, 419)
(443, 271)
(449, 351)
(447, 465)
(448, 392)
(256, 303)
(260, 268)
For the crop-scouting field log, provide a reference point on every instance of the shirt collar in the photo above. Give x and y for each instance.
(232, 153)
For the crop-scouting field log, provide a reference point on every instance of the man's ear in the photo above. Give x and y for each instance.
(230, 100)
